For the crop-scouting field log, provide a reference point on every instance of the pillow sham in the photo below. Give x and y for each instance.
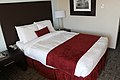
(18, 33)
(42, 24)
(42, 31)
(26, 32)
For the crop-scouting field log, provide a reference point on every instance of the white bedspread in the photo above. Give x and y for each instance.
(39, 48)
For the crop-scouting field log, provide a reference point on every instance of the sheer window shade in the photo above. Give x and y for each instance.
(2, 41)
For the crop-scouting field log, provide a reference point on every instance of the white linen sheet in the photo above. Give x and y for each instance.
(40, 47)
(20, 45)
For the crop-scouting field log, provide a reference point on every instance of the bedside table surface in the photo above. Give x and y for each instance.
(7, 55)
(65, 29)
(12, 58)
(15, 56)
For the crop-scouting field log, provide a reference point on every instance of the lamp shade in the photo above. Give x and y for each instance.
(59, 14)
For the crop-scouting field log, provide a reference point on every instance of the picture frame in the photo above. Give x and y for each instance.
(83, 7)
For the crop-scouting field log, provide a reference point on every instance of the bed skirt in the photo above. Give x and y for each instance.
(56, 74)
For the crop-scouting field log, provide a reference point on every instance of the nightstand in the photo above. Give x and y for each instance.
(65, 29)
(15, 57)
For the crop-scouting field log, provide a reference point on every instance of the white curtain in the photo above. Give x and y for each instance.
(2, 41)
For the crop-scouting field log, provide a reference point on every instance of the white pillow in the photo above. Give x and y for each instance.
(18, 32)
(43, 24)
(26, 32)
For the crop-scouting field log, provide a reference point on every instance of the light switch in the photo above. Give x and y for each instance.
(102, 5)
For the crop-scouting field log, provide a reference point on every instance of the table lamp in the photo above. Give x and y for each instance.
(60, 15)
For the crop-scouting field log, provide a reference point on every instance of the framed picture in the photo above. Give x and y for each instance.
(83, 7)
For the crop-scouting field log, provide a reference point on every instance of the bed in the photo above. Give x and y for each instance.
(27, 13)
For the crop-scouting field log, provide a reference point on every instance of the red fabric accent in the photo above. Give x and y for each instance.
(42, 70)
(42, 31)
(61, 75)
(56, 74)
(66, 55)
(30, 62)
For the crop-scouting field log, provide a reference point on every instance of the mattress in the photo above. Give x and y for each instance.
(39, 48)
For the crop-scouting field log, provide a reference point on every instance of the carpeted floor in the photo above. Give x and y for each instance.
(112, 68)
(111, 72)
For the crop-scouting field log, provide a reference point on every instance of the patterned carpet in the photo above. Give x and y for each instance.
(112, 68)
(111, 72)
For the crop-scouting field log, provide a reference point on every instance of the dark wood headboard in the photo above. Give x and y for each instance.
(12, 14)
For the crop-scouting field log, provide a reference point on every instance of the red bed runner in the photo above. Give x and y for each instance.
(66, 55)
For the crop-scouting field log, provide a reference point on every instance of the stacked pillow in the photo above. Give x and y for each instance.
(29, 32)
(42, 24)
(26, 33)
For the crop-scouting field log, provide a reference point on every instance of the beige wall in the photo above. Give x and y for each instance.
(105, 22)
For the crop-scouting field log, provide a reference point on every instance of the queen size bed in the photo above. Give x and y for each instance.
(57, 55)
